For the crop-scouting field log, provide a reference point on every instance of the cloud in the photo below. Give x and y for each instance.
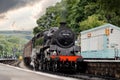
(40, 8)
(22, 13)
(7, 5)
(3, 17)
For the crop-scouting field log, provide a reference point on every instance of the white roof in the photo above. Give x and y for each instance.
(101, 27)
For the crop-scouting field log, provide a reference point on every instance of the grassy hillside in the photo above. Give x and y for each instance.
(13, 42)
(22, 34)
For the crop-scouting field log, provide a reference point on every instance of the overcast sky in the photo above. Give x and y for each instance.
(22, 14)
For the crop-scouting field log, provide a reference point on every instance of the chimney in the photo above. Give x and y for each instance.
(62, 24)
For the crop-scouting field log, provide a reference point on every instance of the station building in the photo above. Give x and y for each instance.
(102, 42)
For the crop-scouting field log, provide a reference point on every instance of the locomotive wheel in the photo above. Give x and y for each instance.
(44, 67)
(40, 66)
(36, 67)
(55, 67)
(81, 67)
(75, 67)
(48, 66)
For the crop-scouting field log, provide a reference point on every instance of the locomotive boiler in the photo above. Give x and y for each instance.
(55, 50)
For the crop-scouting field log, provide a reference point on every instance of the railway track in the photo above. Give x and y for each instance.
(97, 70)
(82, 76)
(72, 74)
(8, 61)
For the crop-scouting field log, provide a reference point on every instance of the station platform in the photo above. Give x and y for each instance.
(8, 72)
(109, 61)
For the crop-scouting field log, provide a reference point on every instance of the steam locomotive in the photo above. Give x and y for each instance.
(54, 50)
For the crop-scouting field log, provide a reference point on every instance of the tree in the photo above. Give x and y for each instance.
(109, 5)
(91, 22)
(7, 43)
(77, 12)
(110, 10)
(38, 29)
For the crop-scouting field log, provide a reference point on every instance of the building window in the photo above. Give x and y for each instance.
(111, 31)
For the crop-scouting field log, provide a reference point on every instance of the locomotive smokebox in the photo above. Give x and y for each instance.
(64, 37)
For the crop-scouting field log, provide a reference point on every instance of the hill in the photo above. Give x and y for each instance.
(13, 40)
(22, 34)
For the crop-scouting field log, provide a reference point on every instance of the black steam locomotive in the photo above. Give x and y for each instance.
(54, 50)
